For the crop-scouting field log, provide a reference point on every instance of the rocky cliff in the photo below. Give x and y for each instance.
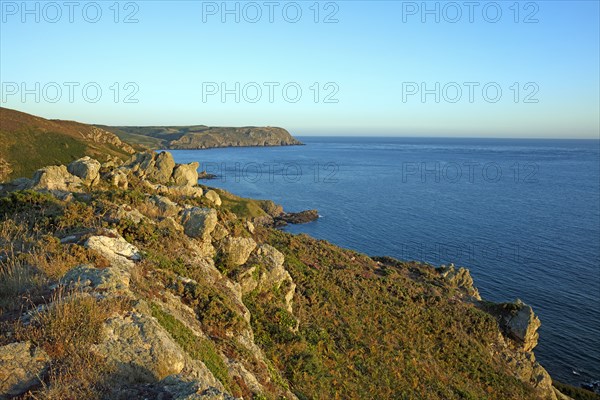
(128, 280)
(204, 137)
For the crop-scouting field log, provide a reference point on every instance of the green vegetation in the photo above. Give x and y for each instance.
(574, 392)
(198, 348)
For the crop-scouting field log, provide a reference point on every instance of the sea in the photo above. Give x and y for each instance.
(522, 214)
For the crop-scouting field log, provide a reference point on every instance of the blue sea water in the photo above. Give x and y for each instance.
(522, 215)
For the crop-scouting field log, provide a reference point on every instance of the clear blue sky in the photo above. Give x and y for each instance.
(375, 57)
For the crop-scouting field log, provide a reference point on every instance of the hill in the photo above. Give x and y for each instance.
(202, 137)
(28, 143)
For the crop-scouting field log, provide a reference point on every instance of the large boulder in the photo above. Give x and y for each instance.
(236, 250)
(22, 366)
(55, 178)
(186, 174)
(140, 349)
(87, 169)
(163, 168)
(199, 222)
(152, 166)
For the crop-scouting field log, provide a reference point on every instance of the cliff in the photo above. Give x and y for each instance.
(129, 280)
(203, 137)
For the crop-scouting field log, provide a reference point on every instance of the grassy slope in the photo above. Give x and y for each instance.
(28, 143)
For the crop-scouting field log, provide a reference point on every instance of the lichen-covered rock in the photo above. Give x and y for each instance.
(266, 272)
(186, 174)
(102, 279)
(213, 197)
(140, 349)
(22, 367)
(236, 250)
(55, 178)
(118, 179)
(184, 191)
(149, 165)
(167, 207)
(182, 389)
(115, 249)
(169, 223)
(199, 222)
(522, 326)
(87, 169)
(460, 278)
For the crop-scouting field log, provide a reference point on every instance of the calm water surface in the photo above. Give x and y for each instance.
(523, 215)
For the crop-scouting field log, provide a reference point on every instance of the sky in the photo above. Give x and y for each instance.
(398, 68)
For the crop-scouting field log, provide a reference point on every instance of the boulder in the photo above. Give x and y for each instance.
(186, 174)
(22, 366)
(87, 169)
(199, 222)
(167, 207)
(162, 169)
(101, 279)
(149, 165)
(140, 349)
(237, 249)
(213, 197)
(55, 178)
(115, 249)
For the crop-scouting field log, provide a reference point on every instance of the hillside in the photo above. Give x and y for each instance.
(202, 137)
(132, 281)
(28, 143)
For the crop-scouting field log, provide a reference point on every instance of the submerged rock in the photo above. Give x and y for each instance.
(301, 217)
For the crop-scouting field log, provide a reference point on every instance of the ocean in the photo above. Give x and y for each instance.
(523, 215)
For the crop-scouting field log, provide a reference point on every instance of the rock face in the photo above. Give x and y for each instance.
(21, 367)
(140, 349)
(154, 167)
(186, 174)
(267, 271)
(236, 250)
(118, 179)
(521, 325)
(55, 178)
(199, 222)
(87, 169)
(460, 278)
(167, 207)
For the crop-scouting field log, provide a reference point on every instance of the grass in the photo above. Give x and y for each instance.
(574, 392)
(198, 348)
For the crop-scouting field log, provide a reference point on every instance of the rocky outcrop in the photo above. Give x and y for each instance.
(186, 174)
(118, 179)
(199, 222)
(55, 178)
(519, 323)
(236, 250)
(22, 367)
(460, 278)
(301, 217)
(167, 207)
(87, 169)
(266, 271)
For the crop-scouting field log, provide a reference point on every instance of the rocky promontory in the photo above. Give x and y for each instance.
(203, 137)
